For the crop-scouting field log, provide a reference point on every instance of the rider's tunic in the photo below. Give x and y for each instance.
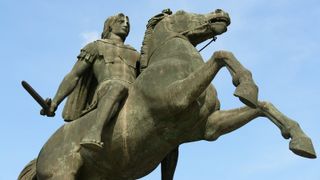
(113, 65)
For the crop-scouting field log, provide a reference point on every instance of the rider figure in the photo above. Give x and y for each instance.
(112, 64)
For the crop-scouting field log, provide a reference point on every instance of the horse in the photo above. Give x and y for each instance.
(171, 102)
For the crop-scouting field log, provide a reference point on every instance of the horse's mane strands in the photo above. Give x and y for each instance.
(148, 35)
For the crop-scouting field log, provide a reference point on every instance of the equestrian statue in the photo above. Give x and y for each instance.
(129, 112)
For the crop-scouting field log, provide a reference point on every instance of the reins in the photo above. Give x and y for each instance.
(213, 39)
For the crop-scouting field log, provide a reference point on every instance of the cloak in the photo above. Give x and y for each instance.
(80, 101)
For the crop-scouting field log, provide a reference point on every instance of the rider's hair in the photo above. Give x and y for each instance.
(107, 28)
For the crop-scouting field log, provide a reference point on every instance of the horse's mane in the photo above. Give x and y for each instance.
(148, 35)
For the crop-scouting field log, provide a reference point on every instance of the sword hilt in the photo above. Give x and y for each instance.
(46, 112)
(45, 104)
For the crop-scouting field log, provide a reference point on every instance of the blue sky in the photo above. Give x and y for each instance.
(278, 40)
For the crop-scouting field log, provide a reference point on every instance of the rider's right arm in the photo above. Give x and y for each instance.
(85, 60)
(69, 82)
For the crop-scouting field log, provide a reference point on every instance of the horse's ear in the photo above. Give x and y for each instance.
(180, 12)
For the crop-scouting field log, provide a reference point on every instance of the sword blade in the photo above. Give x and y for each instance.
(35, 95)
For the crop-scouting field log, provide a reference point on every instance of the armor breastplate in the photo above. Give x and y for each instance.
(120, 60)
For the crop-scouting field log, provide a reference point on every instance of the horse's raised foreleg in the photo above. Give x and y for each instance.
(196, 82)
(246, 90)
(223, 122)
(300, 143)
(181, 93)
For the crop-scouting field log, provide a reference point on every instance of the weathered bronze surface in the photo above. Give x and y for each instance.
(123, 128)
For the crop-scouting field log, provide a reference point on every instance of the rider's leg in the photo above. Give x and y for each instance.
(108, 103)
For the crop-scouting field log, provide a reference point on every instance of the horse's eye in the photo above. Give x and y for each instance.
(212, 21)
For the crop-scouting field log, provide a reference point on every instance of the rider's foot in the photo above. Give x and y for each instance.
(247, 92)
(92, 145)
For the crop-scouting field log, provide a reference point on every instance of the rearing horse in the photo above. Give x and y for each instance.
(171, 102)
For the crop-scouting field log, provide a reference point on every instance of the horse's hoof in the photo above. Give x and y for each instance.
(302, 146)
(247, 92)
(92, 145)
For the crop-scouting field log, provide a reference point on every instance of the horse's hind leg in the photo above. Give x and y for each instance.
(223, 122)
(168, 164)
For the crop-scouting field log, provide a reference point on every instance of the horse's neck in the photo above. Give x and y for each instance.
(173, 45)
(173, 51)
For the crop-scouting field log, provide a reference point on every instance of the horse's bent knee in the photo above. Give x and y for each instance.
(222, 54)
(211, 134)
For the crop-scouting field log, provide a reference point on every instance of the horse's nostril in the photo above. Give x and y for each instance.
(218, 11)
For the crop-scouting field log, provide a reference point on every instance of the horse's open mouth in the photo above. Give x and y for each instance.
(220, 19)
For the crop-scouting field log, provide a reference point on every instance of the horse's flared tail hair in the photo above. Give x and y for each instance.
(29, 171)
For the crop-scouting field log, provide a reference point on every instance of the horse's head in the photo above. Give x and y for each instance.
(196, 27)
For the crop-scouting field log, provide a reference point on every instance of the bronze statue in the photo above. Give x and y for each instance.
(170, 103)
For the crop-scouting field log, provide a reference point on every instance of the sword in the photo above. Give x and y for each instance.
(45, 104)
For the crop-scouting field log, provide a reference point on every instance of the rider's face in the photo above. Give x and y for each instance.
(121, 26)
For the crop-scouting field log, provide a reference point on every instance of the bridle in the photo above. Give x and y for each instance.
(213, 39)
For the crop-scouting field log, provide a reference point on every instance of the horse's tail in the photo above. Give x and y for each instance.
(29, 171)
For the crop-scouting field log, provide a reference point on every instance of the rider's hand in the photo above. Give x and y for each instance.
(52, 108)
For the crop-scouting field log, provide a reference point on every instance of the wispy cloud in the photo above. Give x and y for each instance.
(89, 37)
